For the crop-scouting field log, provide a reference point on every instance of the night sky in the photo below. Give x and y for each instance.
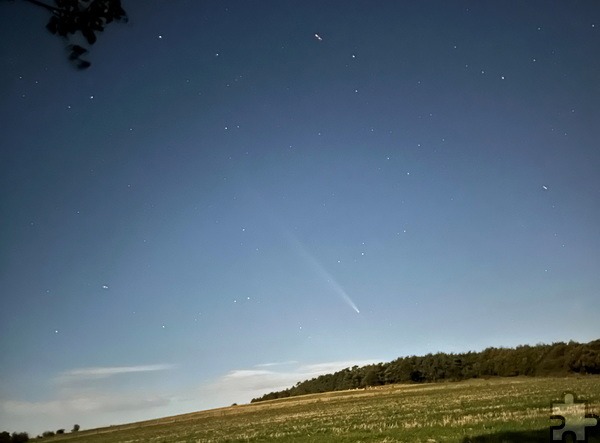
(239, 195)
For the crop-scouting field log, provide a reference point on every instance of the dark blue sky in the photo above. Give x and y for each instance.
(197, 218)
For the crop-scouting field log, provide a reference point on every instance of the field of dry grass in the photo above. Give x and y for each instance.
(494, 410)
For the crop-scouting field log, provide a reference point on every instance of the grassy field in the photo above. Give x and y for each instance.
(495, 410)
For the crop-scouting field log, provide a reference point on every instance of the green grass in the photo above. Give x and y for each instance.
(494, 410)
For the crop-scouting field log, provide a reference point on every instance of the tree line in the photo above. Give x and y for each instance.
(556, 359)
(23, 437)
(16, 437)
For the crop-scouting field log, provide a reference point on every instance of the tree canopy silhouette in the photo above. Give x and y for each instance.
(88, 17)
(557, 359)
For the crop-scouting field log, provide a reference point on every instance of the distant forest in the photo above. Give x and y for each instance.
(557, 359)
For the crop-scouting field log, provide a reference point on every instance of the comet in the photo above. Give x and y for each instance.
(306, 255)
(323, 273)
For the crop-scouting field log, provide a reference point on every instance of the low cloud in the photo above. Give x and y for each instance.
(89, 409)
(81, 399)
(250, 380)
(91, 402)
(277, 363)
(100, 372)
(91, 396)
(241, 385)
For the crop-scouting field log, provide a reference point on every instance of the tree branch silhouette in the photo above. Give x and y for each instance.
(85, 16)
(43, 5)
